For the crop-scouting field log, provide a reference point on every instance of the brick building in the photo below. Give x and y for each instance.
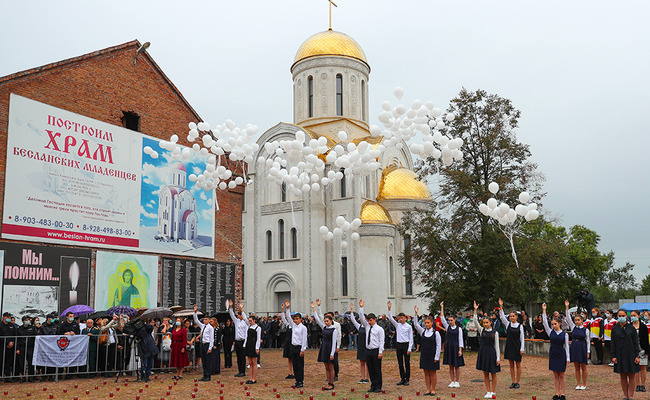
(108, 86)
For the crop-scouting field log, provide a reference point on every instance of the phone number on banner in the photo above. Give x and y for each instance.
(69, 225)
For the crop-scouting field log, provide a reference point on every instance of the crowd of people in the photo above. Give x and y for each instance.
(174, 344)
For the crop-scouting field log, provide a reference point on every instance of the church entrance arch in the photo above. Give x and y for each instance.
(280, 288)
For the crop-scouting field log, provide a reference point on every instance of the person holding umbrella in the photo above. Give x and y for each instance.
(207, 343)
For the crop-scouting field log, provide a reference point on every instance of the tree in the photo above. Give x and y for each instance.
(459, 254)
(645, 286)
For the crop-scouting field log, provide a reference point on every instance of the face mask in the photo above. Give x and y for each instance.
(27, 323)
(634, 319)
(622, 320)
(55, 320)
(178, 323)
(593, 314)
(8, 320)
(38, 324)
(70, 319)
(608, 315)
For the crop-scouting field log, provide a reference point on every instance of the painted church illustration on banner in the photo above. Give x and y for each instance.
(177, 217)
(284, 256)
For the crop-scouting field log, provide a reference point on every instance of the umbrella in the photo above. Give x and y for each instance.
(141, 310)
(176, 308)
(156, 312)
(221, 316)
(95, 315)
(119, 310)
(347, 314)
(185, 313)
(78, 310)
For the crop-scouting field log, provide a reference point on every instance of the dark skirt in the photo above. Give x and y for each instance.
(361, 344)
(557, 354)
(513, 344)
(450, 356)
(287, 347)
(487, 354)
(251, 342)
(428, 354)
(578, 348)
(326, 346)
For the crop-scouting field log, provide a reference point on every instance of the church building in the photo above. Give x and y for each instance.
(284, 255)
(177, 217)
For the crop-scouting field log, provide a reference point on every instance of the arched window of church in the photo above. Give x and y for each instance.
(294, 243)
(344, 184)
(391, 277)
(363, 100)
(310, 93)
(269, 245)
(281, 235)
(408, 270)
(283, 192)
(339, 94)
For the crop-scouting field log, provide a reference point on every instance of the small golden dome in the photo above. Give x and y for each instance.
(374, 213)
(402, 183)
(330, 43)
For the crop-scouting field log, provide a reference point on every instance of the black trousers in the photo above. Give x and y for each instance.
(298, 363)
(207, 360)
(336, 365)
(241, 357)
(215, 367)
(598, 344)
(227, 355)
(404, 358)
(374, 368)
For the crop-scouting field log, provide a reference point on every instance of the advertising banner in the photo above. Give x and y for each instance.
(123, 279)
(38, 280)
(75, 180)
(205, 283)
(60, 351)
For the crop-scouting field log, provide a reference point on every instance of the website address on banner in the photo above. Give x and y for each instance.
(53, 234)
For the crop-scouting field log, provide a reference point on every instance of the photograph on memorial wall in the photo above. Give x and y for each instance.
(208, 284)
(75, 180)
(38, 280)
(123, 279)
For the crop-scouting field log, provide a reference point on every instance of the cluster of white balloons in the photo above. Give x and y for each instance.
(344, 227)
(403, 124)
(226, 138)
(299, 165)
(503, 213)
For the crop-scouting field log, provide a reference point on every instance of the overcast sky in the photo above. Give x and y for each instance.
(578, 71)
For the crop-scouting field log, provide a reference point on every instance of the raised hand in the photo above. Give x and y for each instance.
(500, 303)
(287, 304)
(318, 303)
(282, 306)
(195, 309)
(351, 307)
(544, 307)
(313, 306)
(566, 304)
(389, 305)
(361, 303)
(416, 310)
(475, 306)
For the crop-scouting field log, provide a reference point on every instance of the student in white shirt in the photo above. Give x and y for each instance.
(361, 347)
(298, 344)
(375, 348)
(429, 352)
(252, 345)
(241, 328)
(207, 342)
(404, 333)
(514, 344)
(339, 335)
(327, 354)
(489, 354)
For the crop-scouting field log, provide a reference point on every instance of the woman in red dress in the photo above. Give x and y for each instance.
(179, 359)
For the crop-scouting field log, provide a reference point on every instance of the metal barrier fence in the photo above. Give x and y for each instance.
(109, 355)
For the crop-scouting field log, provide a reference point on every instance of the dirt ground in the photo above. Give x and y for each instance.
(536, 381)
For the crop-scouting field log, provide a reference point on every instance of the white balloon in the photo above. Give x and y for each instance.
(174, 138)
(147, 150)
(492, 203)
(232, 185)
(399, 93)
(533, 214)
(329, 236)
(493, 187)
(521, 209)
(532, 206)
(315, 187)
(340, 221)
(323, 230)
(356, 223)
(223, 185)
(483, 208)
(344, 245)
(343, 136)
(337, 232)
(524, 197)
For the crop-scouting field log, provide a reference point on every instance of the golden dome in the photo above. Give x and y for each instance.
(330, 43)
(374, 213)
(402, 183)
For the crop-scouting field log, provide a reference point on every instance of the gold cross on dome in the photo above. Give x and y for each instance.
(331, 4)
